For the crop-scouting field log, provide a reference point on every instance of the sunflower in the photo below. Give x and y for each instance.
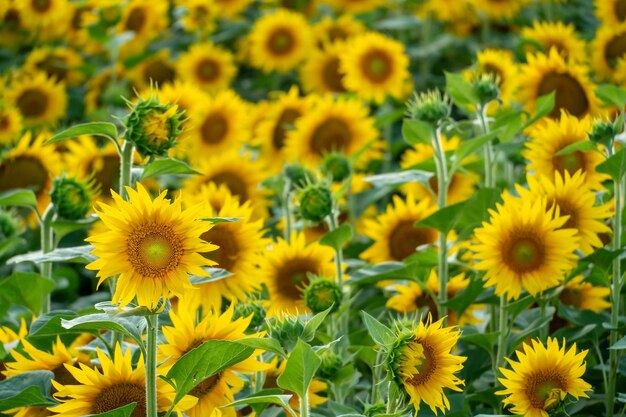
(543, 74)
(355, 6)
(575, 199)
(59, 64)
(241, 174)
(548, 138)
(200, 17)
(340, 124)
(238, 244)
(609, 48)
(157, 70)
(501, 64)
(461, 185)
(97, 86)
(152, 245)
(375, 67)
(543, 377)
(10, 125)
(422, 363)
(413, 297)
(37, 14)
(610, 12)
(559, 36)
(524, 245)
(320, 72)
(184, 335)
(329, 31)
(500, 9)
(112, 385)
(13, 34)
(218, 124)
(584, 296)
(315, 391)
(8, 335)
(286, 269)
(393, 232)
(146, 19)
(230, 8)
(39, 99)
(280, 41)
(31, 165)
(209, 66)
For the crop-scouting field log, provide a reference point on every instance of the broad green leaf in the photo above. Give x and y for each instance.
(417, 131)
(468, 147)
(124, 411)
(574, 334)
(76, 254)
(544, 106)
(620, 344)
(615, 166)
(21, 197)
(380, 333)
(507, 125)
(62, 226)
(107, 130)
(581, 146)
(517, 306)
(27, 289)
(582, 317)
(468, 296)
(388, 118)
(299, 369)
(338, 237)
(402, 177)
(445, 219)
(215, 274)
(385, 270)
(476, 208)
(267, 344)
(461, 91)
(129, 326)
(11, 245)
(208, 359)
(26, 389)
(216, 220)
(277, 399)
(313, 324)
(167, 166)
(49, 324)
(530, 323)
(612, 94)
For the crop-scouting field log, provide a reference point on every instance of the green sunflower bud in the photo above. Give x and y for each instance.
(153, 127)
(322, 294)
(72, 198)
(603, 132)
(300, 177)
(254, 308)
(331, 364)
(486, 88)
(377, 409)
(430, 106)
(316, 202)
(8, 225)
(287, 330)
(336, 166)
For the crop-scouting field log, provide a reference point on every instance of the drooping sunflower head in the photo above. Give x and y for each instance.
(375, 66)
(608, 49)
(287, 269)
(155, 70)
(151, 244)
(40, 100)
(321, 71)
(547, 73)
(524, 246)
(207, 65)
(280, 41)
(422, 364)
(543, 377)
(10, 125)
(556, 35)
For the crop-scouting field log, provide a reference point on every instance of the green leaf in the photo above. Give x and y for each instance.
(270, 345)
(461, 301)
(417, 131)
(338, 237)
(507, 125)
(620, 344)
(208, 359)
(77, 254)
(299, 369)
(49, 324)
(615, 166)
(517, 306)
(544, 106)
(612, 94)
(129, 326)
(281, 400)
(380, 333)
(468, 147)
(461, 91)
(167, 166)
(215, 274)
(124, 411)
(386, 270)
(388, 118)
(27, 289)
(21, 197)
(582, 146)
(107, 130)
(443, 220)
(216, 220)
(62, 227)
(26, 389)
(402, 177)
(486, 341)
(313, 324)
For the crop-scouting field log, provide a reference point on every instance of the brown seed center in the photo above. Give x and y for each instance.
(23, 172)
(286, 119)
(233, 182)
(405, 238)
(208, 70)
(206, 386)
(228, 251)
(214, 129)
(540, 384)
(523, 252)
(376, 65)
(615, 49)
(332, 134)
(281, 41)
(154, 250)
(119, 395)
(136, 20)
(569, 94)
(571, 162)
(292, 277)
(333, 79)
(32, 103)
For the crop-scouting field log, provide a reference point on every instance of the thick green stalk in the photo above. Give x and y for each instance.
(304, 405)
(126, 165)
(47, 245)
(287, 209)
(503, 334)
(151, 362)
(442, 191)
(488, 155)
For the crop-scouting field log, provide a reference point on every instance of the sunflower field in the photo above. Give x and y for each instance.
(312, 208)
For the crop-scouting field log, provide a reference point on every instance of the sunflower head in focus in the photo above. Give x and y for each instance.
(559, 36)
(525, 246)
(375, 66)
(60, 64)
(10, 125)
(610, 12)
(151, 244)
(40, 100)
(608, 49)
(287, 269)
(112, 385)
(155, 70)
(321, 72)
(209, 66)
(547, 73)
(583, 295)
(543, 377)
(421, 362)
(280, 41)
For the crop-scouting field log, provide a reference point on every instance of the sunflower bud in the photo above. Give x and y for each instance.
(72, 198)
(153, 127)
(377, 409)
(251, 308)
(336, 166)
(486, 88)
(287, 330)
(8, 225)
(316, 202)
(331, 364)
(322, 294)
(430, 106)
(603, 132)
(300, 177)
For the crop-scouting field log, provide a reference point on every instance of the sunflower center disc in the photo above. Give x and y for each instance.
(136, 20)
(332, 77)
(119, 395)
(422, 362)
(620, 9)
(23, 172)
(233, 182)
(228, 250)
(41, 5)
(159, 72)
(207, 70)
(615, 49)
(154, 250)
(571, 297)
(106, 171)
(543, 386)
(568, 94)
(571, 162)
(54, 66)
(214, 129)
(566, 208)
(330, 135)
(405, 238)
(32, 103)
(281, 42)
(376, 65)
(525, 254)
(287, 118)
(293, 276)
(206, 386)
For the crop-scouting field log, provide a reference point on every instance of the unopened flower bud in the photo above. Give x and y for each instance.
(316, 202)
(321, 294)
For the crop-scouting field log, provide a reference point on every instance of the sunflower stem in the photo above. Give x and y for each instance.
(503, 333)
(304, 405)
(287, 209)
(126, 165)
(488, 156)
(442, 191)
(47, 245)
(151, 362)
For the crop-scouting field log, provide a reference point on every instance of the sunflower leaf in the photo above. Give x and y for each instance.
(582, 146)
(27, 289)
(380, 333)
(216, 220)
(313, 324)
(461, 91)
(107, 130)
(299, 369)
(615, 166)
(543, 107)
(215, 274)
(77, 254)
(129, 326)
(124, 411)
(167, 166)
(402, 177)
(338, 237)
(21, 197)
(26, 389)
(445, 219)
(417, 131)
(278, 399)
(612, 95)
